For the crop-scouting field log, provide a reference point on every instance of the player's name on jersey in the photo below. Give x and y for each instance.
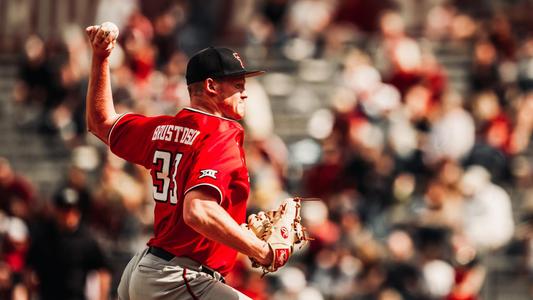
(178, 134)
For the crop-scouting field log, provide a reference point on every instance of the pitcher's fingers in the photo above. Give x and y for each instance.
(91, 32)
(88, 30)
(101, 39)
(262, 216)
(105, 36)
(94, 35)
(101, 35)
(91, 28)
(105, 44)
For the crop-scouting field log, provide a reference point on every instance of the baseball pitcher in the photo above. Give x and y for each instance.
(200, 181)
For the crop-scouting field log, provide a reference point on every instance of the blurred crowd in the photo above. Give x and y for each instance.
(424, 174)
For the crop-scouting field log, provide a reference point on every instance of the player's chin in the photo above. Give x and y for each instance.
(240, 111)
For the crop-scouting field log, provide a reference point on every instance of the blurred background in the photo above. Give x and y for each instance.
(411, 119)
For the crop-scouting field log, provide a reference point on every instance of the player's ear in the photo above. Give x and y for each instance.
(211, 86)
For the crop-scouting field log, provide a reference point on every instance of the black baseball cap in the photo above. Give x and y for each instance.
(67, 198)
(216, 62)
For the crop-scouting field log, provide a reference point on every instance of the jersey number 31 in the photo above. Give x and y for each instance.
(163, 175)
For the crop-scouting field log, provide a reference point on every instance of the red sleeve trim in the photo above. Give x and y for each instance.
(113, 127)
(206, 184)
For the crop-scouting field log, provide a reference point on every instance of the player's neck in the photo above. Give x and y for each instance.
(206, 106)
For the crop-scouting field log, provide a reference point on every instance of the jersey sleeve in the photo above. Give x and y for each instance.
(216, 162)
(130, 137)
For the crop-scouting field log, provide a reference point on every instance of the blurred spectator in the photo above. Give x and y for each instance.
(453, 133)
(364, 14)
(322, 179)
(488, 219)
(76, 180)
(33, 72)
(166, 25)
(442, 206)
(525, 65)
(307, 21)
(9, 288)
(439, 277)
(17, 12)
(136, 40)
(68, 115)
(403, 275)
(468, 282)
(523, 127)
(119, 211)
(15, 245)
(35, 84)
(203, 22)
(116, 11)
(293, 286)
(63, 252)
(484, 74)
(267, 164)
(261, 125)
(325, 232)
(51, 81)
(16, 192)
(502, 37)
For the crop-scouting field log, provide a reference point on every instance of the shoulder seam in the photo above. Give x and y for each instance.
(113, 127)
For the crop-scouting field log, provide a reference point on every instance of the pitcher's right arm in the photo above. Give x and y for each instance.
(100, 111)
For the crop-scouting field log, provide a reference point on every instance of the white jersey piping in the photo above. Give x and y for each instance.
(113, 127)
(206, 113)
(208, 184)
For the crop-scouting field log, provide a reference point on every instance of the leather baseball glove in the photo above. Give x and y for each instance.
(281, 229)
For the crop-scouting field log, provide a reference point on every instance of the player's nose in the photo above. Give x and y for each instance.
(244, 95)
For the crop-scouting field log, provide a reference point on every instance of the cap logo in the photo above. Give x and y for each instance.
(238, 57)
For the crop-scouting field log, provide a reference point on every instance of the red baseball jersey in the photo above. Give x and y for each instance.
(183, 152)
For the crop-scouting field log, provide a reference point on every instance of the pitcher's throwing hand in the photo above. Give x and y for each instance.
(102, 38)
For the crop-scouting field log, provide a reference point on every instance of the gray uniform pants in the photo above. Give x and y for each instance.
(149, 277)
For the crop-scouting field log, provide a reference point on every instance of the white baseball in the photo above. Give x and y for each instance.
(111, 31)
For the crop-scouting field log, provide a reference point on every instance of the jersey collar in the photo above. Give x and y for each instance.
(206, 113)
